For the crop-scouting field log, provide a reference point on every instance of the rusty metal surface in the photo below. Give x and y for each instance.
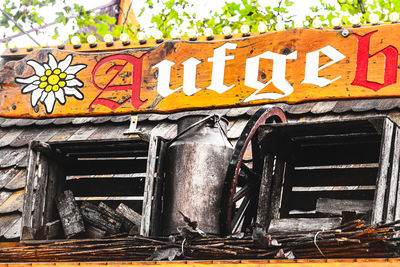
(196, 166)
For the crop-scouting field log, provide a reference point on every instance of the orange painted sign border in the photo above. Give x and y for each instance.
(293, 66)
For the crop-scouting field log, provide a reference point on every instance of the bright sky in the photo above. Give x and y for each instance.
(202, 8)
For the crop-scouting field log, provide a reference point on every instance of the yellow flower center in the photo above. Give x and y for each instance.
(53, 80)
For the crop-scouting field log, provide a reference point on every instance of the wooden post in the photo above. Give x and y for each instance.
(265, 190)
(148, 188)
(41, 192)
(276, 193)
(394, 179)
(27, 231)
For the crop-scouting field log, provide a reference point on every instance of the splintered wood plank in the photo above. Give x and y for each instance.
(70, 216)
(384, 164)
(293, 225)
(130, 214)
(336, 206)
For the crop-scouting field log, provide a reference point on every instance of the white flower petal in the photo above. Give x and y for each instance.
(49, 102)
(29, 88)
(74, 82)
(27, 80)
(64, 64)
(43, 96)
(35, 96)
(39, 69)
(60, 96)
(75, 68)
(69, 77)
(46, 66)
(73, 92)
(52, 62)
(36, 82)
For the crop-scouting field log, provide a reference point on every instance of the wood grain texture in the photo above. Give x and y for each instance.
(303, 224)
(302, 41)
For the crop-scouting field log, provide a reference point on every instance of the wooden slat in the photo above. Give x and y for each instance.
(55, 186)
(264, 198)
(40, 192)
(307, 200)
(393, 177)
(286, 190)
(28, 199)
(337, 206)
(326, 177)
(294, 225)
(276, 196)
(148, 188)
(386, 147)
(89, 187)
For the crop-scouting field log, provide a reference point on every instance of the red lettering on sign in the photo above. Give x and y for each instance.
(390, 72)
(136, 64)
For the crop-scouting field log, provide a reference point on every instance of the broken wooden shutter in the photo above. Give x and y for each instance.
(113, 171)
(323, 167)
(45, 181)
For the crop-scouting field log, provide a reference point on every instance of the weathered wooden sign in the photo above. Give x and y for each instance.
(291, 66)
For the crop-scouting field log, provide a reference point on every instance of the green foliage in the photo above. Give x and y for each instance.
(180, 15)
(26, 13)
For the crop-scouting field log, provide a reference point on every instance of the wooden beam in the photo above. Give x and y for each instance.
(337, 206)
(70, 216)
(149, 184)
(264, 197)
(384, 165)
(292, 225)
(27, 232)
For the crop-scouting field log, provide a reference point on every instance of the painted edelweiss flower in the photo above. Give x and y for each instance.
(52, 81)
